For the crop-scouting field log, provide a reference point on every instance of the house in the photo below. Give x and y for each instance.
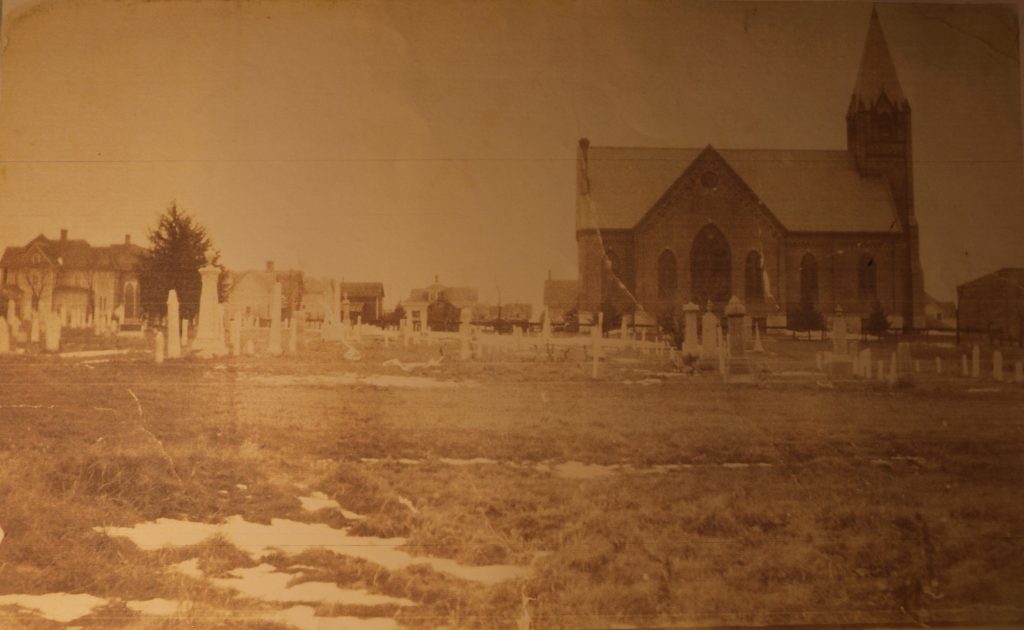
(251, 293)
(366, 300)
(560, 298)
(992, 306)
(74, 278)
(438, 305)
(939, 315)
(786, 231)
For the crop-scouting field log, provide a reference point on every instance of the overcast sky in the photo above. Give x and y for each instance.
(397, 140)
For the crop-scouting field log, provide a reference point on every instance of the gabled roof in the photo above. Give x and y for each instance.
(808, 191)
(877, 74)
(361, 289)
(76, 254)
(1010, 275)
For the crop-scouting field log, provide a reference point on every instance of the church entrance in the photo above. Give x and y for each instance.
(710, 267)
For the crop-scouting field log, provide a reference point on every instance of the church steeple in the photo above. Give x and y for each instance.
(877, 76)
(878, 121)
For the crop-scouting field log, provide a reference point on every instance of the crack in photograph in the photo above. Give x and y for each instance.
(519, 314)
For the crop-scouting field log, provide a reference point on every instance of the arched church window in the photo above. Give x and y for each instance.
(754, 275)
(131, 301)
(867, 278)
(808, 279)
(710, 266)
(668, 281)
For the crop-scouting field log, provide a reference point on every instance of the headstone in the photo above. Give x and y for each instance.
(173, 319)
(5, 336)
(465, 318)
(236, 334)
(865, 362)
(158, 350)
(209, 340)
(709, 338)
(975, 361)
(720, 345)
(346, 313)
(691, 345)
(736, 312)
(274, 346)
(53, 330)
(997, 365)
(839, 332)
(758, 347)
(184, 333)
(33, 335)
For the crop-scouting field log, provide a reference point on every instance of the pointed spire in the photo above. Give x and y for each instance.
(877, 72)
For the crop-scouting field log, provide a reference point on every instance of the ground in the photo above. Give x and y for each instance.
(647, 497)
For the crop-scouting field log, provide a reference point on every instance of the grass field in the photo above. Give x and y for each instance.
(686, 501)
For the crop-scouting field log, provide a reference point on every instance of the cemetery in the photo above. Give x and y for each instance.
(334, 474)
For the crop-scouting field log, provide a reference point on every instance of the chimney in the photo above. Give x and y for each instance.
(270, 265)
(63, 234)
(127, 239)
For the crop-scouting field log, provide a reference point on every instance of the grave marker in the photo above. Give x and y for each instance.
(173, 320)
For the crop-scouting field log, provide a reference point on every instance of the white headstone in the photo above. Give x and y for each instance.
(53, 330)
(236, 334)
(173, 319)
(997, 365)
(275, 320)
(184, 333)
(33, 335)
(209, 339)
(709, 336)
(691, 345)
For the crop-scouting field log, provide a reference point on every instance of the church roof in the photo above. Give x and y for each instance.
(877, 71)
(808, 191)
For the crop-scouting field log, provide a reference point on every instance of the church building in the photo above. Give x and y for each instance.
(786, 231)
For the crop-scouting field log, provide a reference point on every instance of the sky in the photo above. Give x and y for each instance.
(396, 141)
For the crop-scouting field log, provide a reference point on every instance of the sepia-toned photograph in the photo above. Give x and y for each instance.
(511, 315)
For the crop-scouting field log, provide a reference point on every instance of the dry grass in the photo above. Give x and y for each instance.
(879, 504)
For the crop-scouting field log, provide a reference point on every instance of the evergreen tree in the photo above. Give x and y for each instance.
(179, 248)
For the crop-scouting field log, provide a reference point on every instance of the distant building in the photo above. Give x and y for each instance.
(366, 300)
(561, 297)
(71, 276)
(438, 305)
(939, 315)
(252, 292)
(786, 231)
(509, 312)
(992, 306)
